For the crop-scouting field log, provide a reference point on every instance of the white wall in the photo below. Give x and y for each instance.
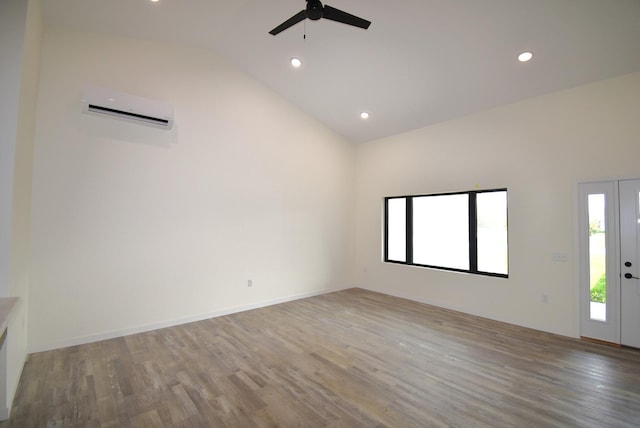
(21, 205)
(12, 28)
(539, 149)
(20, 36)
(135, 227)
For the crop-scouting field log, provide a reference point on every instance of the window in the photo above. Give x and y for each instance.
(464, 231)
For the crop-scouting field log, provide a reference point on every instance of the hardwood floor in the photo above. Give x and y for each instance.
(348, 359)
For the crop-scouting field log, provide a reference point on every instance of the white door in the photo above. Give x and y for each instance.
(609, 227)
(630, 262)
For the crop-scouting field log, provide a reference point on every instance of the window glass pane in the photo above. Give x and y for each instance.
(397, 229)
(597, 258)
(441, 231)
(491, 216)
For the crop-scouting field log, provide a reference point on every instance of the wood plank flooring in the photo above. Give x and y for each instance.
(348, 359)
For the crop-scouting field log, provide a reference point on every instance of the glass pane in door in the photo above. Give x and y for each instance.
(597, 258)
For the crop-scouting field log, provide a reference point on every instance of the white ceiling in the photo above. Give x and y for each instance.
(420, 62)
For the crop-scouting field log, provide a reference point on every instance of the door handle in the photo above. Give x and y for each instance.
(629, 276)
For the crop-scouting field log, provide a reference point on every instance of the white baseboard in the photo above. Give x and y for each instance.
(170, 323)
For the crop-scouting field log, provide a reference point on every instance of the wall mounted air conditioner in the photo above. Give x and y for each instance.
(107, 102)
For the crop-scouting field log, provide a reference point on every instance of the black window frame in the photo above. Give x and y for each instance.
(473, 233)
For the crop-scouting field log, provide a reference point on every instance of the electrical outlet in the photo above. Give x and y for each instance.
(250, 283)
(544, 298)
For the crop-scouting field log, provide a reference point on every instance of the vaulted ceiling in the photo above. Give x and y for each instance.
(419, 63)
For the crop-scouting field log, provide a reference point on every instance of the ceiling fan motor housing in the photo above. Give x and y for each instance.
(314, 9)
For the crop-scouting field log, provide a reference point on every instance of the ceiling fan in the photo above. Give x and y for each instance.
(315, 10)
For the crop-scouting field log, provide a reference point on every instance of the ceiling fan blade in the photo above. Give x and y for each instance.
(300, 16)
(337, 15)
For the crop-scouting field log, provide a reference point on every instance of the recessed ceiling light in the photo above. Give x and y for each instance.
(154, 1)
(364, 115)
(525, 56)
(296, 63)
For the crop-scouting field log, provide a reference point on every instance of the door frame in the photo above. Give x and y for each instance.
(609, 330)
